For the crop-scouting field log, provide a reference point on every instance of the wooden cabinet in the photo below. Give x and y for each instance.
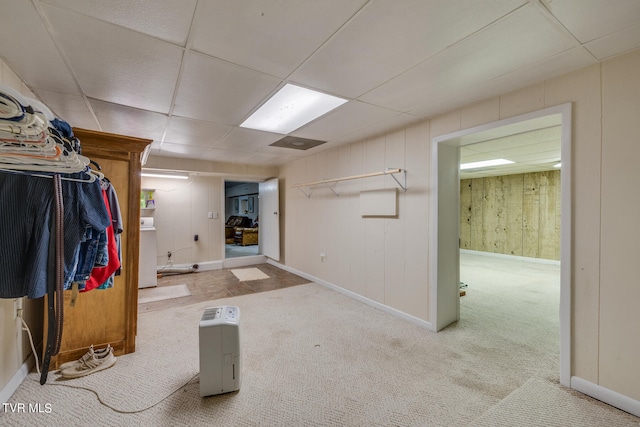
(102, 317)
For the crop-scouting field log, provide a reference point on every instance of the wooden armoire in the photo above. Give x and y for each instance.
(101, 317)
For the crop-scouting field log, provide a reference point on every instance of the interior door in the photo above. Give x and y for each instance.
(270, 218)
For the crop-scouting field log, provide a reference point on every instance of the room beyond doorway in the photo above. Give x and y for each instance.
(241, 202)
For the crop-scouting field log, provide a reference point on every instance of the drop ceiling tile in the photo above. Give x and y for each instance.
(385, 38)
(168, 20)
(129, 121)
(523, 38)
(529, 151)
(220, 92)
(541, 157)
(115, 64)
(524, 141)
(264, 158)
(615, 43)
(168, 149)
(590, 19)
(194, 132)
(247, 140)
(281, 152)
(546, 68)
(66, 105)
(27, 48)
(225, 156)
(274, 37)
(346, 119)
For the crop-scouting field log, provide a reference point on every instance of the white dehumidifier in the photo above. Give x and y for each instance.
(219, 350)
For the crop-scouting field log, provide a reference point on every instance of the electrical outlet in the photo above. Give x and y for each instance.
(323, 257)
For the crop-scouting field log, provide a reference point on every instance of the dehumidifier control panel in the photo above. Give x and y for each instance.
(220, 315)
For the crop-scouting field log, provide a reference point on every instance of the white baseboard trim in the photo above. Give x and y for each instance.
(244, 261)
(13, 384)
(223, 263)
(516, 257)
(605, 395)
(202, 266)
(390, 310)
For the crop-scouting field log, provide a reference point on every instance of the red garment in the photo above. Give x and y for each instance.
(99, 275)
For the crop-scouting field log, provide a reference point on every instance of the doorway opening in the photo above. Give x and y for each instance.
(445, 216)
(242, 219)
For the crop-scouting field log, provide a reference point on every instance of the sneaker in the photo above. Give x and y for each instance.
(86, 356)
(92, 364)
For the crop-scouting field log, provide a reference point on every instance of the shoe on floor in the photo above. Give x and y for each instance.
(84, 357)
(92, 364)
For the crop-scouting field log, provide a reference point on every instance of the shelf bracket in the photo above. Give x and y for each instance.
(303, 192)
(403, 186)
(331, 188)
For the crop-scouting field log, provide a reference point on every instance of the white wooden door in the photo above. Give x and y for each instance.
(270, 218)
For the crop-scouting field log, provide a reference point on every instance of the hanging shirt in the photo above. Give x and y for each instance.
(99, 275)
(26, 211)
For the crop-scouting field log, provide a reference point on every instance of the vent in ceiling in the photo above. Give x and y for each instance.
(297, 143)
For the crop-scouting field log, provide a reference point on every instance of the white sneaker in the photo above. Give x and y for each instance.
(86, 356)
(92, 364)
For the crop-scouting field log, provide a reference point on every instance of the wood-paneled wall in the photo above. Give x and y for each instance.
(512, 214)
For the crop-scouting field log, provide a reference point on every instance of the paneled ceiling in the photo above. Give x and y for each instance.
(531, 151)
(186, 73)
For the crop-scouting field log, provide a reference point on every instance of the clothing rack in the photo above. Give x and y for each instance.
(391, 172)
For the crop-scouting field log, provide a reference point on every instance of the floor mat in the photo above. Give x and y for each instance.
(162, 293)
(246, 274)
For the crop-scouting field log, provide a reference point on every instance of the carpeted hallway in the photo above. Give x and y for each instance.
(312, 356)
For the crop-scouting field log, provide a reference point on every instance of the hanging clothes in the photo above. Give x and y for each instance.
(102, 274)
(26, 209)
(50, 200)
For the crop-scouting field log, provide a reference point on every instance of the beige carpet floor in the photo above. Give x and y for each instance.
(542, 403)
(314, 357)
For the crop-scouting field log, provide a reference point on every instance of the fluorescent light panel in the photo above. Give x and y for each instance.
(485, 164)
(161, 175)
(290, 108)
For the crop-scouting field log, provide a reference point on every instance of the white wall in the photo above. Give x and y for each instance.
(385, 260)
(182, 208)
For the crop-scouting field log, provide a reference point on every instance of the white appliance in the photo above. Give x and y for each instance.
(147, 269)
(219, 350)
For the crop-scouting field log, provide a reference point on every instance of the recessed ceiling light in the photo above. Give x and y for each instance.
(290, 108)
(557, 165)
(485, 164)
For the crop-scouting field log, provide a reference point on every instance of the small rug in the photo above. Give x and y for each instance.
(162, 292)
(246, 274)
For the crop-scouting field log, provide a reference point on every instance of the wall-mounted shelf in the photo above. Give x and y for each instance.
(391, 172)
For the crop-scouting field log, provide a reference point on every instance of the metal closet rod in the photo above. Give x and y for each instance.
(391, 172)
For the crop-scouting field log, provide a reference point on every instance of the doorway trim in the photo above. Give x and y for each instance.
(444, 250)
